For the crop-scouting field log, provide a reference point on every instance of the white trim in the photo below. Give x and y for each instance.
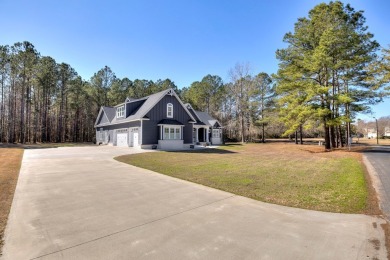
(168, 124)
(170, 144)
(169, 110)
(140, 135)
(172, 135)
(132, 130)
(121, 104)
(124, 121)
(217, 132)
(188, 104)
(122, 131)
(101, 109)
(120, 111)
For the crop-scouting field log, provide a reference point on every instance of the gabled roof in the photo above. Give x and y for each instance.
(193, 113)
(207, 119)
(203, 118)
(148, 104)
(108, 113)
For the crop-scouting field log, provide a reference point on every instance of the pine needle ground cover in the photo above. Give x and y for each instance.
(300, 176)
(10, 161)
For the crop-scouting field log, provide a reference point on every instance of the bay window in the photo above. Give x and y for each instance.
(172, 132)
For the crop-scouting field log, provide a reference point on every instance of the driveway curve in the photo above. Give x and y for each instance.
(79, 203)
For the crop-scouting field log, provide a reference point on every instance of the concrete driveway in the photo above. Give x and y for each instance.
(79, 203)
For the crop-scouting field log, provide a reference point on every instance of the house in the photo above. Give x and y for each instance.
(160, 120)
(371, 133)
(387, 132)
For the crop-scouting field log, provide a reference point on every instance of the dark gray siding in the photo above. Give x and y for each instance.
(132, 108)
(187, 133)
(150, 129)
(149, 132)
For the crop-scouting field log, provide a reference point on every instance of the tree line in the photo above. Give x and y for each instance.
(45, 101)
(330, 70)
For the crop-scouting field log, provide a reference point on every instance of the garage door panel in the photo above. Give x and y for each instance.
(121, 139)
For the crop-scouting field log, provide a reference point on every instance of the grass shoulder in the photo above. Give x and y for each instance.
(10, 162)
(285, 174)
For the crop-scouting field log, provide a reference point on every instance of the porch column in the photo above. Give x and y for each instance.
(197, 135)
(207, 135)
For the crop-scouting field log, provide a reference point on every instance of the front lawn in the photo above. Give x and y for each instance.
(286, 174)
(10, 161)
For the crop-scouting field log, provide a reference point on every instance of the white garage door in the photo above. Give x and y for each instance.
(121, 139)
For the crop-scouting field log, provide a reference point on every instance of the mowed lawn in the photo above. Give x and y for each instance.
(287, 174)
(10, 161)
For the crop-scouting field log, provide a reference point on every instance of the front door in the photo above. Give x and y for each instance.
(201, 135)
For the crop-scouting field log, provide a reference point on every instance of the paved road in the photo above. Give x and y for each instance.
(379, 157)
(79, 203)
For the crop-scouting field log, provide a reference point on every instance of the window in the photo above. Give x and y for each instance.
(216, 133)
(177, 134)
(166, 133)
(169, 110)
(120, 111)
(172, 133)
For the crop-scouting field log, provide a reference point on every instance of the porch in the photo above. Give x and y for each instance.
(201, 134)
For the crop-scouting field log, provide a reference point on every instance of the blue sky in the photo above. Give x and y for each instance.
(179, 40)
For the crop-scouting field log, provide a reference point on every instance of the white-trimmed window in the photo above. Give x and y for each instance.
(169, 110)
(216, 133)
(120, 111)
(172, 132)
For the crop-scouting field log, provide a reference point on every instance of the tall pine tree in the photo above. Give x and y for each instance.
(322, 73)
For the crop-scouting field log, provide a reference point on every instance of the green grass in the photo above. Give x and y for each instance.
(284, 174)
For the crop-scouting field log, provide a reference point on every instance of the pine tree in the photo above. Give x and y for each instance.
(322, 73)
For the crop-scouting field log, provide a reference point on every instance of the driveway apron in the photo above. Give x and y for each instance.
(79, 203)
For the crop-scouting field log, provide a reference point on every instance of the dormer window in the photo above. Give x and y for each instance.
(169, 110)
(120, 111)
